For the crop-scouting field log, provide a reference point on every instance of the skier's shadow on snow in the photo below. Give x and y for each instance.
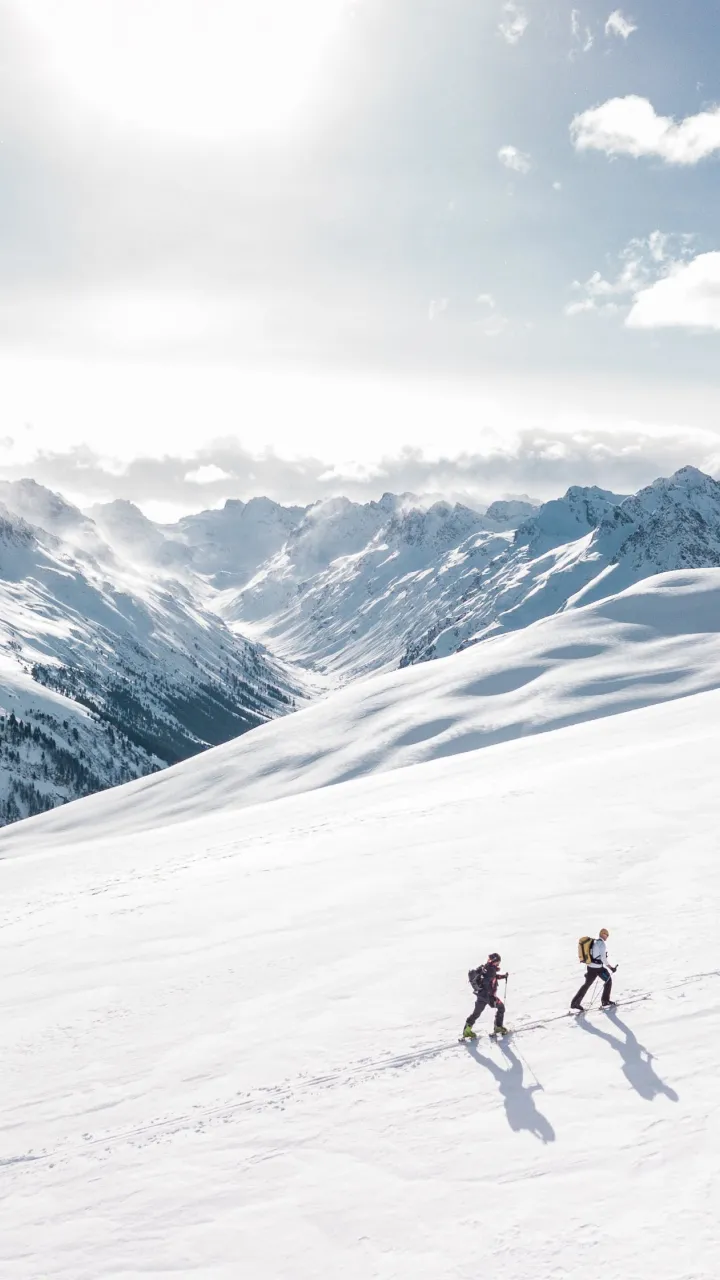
(637, 1065)
(517, 1097)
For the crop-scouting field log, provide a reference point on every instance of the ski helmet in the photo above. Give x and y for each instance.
(603, 934)
(494, 958)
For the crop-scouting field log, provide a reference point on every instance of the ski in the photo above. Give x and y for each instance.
(561, 1017)
(509, 1031)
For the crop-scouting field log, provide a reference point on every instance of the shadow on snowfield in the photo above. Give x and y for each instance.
(637, 1060)
(517, 1097)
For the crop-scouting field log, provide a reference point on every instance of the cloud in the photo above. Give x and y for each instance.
(209, 474)
(630, 126)
(518, 161)
(541, 461)
(642, 263)
(437, 308)
(582, 36)
(688, 297)
(618, 25)
(577, 308)
(515, 23)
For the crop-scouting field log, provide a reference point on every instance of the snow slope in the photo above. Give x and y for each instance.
(658, 640)
(229, 1048)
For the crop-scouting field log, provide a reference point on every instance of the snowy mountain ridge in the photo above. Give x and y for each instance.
(175, 637)
(429, 582)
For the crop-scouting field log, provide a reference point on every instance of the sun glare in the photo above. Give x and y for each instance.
(192, 68)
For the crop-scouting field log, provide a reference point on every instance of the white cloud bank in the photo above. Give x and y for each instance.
(688, 297)
(538, 460)
(512, 158)
(618, 25)
(630, 126)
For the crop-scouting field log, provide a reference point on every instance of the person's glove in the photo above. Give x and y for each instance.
(613, 967)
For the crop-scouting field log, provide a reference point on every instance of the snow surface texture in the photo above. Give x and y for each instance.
(230, 1047)
(658, 640)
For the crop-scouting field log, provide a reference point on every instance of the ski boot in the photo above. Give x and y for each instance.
(498, 1032)
(468, 1033)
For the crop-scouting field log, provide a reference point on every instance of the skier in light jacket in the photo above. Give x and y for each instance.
(598, 967)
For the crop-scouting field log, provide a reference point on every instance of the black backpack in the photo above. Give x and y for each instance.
(475, 978)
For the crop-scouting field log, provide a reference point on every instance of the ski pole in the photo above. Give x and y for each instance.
(531, 1069)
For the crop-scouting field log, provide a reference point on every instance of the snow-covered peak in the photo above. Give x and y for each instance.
(236, 514)
(42, 507)
(674, 523)
(121, 511)
(508, 513)
(565, 519)
(689, 478)
(331, 529)
(230, 543)
(688, 489)
(134, 537)
(441, 525)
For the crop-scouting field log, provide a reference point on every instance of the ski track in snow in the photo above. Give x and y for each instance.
(230, 1037)
(304, 1088)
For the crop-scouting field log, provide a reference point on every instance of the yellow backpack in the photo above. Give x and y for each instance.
(585, 950)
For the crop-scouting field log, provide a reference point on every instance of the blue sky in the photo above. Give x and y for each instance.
(356, 245)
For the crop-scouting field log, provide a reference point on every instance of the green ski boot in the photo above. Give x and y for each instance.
(468, 1033)
(499, 1032)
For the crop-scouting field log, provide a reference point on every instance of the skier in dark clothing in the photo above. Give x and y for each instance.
(598, 967)
(484, 983)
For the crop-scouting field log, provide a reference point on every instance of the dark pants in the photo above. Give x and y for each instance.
(590, 977)
(481, 1003)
